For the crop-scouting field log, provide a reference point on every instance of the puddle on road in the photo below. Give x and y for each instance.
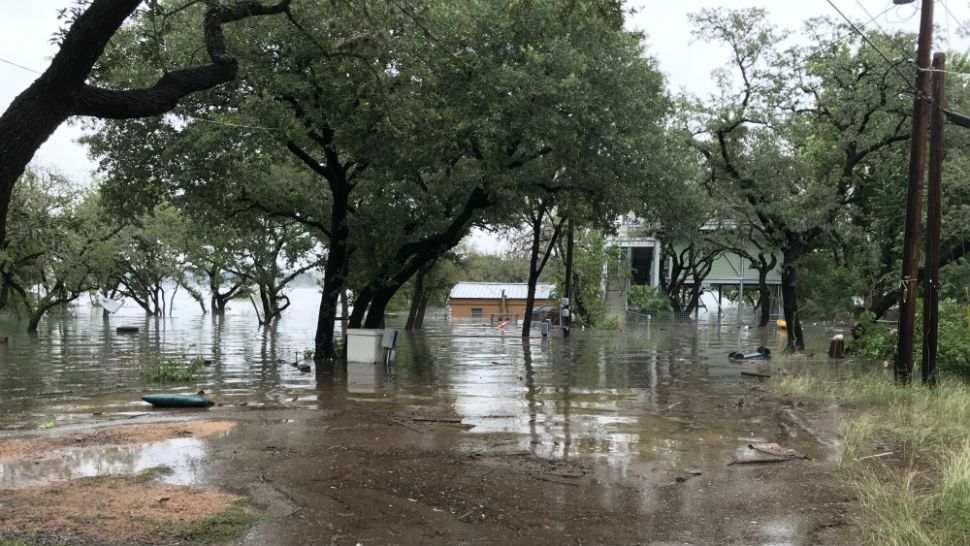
(181, 458)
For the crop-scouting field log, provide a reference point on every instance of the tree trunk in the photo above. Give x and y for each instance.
(361, 303)
(35, 317)
(344, 317)
(764, 297)
(530, 298)
(334, 274)
(789, 294)
(569, 288)
(28, 122)
(419, 319)
(61, 91)
(375, 313)
(416, 298)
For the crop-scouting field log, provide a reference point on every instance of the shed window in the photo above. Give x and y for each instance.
(478, 312)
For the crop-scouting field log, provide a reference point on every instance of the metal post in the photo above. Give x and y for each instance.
(566, 316)
(903, 365)
(934, 205)
(741, 290)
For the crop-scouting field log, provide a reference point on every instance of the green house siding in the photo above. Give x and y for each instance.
(730, 268)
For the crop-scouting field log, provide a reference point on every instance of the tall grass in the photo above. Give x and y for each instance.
(920, 494)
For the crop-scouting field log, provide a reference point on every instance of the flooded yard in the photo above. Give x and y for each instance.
(472, 436)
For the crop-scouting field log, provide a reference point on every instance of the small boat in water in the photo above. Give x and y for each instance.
(177, 400)
(762, 353)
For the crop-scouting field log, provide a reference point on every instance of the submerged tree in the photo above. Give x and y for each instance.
(59, 247)
(395, 147)
(794, 139)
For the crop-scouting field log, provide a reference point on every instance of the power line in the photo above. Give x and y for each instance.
(874, 18)
(951, 15)
(20, 66)
(874, 46)
(955, 118)
(227, 124)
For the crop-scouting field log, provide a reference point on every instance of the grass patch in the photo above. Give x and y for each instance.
(920, 494)
(174, 369)
(224, 528)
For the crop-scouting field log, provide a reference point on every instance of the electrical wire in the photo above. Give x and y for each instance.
(227, 124)
(953, 16)
(874, 47)
(20, 66)
(953, 117)
(874, 18)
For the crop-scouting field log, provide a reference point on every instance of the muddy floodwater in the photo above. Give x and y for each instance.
(471, 436)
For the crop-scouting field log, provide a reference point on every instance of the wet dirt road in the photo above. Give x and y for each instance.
(476, 438)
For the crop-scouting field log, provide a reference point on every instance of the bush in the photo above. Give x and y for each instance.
(878, 341)
(645, 299)
(175, 369)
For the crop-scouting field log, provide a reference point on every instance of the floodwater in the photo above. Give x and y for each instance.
(472, 435)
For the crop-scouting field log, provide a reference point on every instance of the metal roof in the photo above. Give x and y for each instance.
(493, 291)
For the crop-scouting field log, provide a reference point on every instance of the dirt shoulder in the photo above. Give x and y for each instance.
(117, 511)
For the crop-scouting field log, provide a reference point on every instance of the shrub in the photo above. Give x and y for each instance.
(174, 369)
(878, 341)
(645, 299)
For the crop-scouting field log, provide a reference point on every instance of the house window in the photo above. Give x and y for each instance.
(478, 312)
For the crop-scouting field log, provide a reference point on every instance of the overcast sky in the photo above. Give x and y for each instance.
(26, 28)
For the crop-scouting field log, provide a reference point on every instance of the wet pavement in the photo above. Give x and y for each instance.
(470, 437)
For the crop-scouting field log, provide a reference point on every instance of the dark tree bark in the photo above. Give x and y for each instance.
(61, 92)
(336, 268)
(690, 263)
(764, 265)
(413, 256)
(418, 299)
(361, 304)
(422, 307)
(537, 261)
(789, 293)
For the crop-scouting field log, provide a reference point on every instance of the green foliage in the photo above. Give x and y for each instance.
(307, 353)
(477, 267)
(59, 245)
(591, 257)
(878, 340)
(174, 369)
(609, 324)
(358, 116)
(827, 288)
(646, 299)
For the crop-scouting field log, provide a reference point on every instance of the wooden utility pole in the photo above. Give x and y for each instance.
(934, 205)
(903, 366)
(565, 318)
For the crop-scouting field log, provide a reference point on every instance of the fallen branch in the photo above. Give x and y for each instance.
(876, 456)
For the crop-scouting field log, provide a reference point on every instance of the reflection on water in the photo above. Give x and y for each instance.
(181, 458)
(636, 407)
(487, 371)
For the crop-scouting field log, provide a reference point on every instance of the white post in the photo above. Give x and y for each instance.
(655, 274)
(741, 290)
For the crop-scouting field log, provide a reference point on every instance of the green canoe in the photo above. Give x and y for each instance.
(763, 353)
(177, 401)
